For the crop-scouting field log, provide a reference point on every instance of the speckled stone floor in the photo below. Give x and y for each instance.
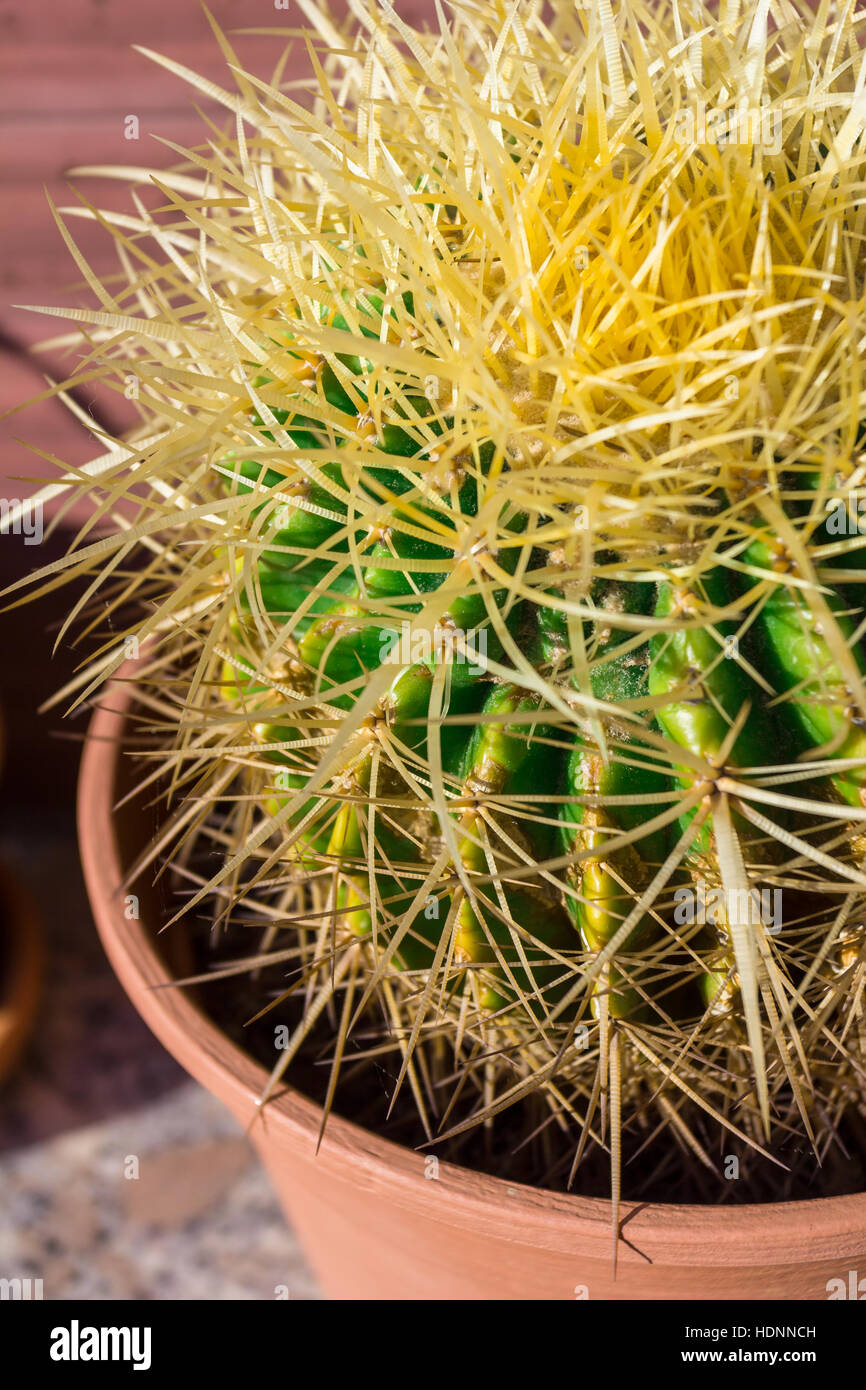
(119, 1177)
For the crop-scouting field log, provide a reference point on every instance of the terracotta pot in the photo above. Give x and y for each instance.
(373, 1224)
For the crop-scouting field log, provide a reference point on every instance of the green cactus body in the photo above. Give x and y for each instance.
(345, 624)
(799, 660)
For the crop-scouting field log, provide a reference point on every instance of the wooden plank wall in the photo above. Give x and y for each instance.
(68, 79)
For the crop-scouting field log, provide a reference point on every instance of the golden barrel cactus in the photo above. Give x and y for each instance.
(491, 541)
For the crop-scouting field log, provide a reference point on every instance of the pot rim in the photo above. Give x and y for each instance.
(792, 1230)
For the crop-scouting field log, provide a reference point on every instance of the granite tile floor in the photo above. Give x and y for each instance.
(119, 1177)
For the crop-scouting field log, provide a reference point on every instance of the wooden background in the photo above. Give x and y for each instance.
(68, 79)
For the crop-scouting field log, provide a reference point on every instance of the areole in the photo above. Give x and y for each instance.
(377, 1220)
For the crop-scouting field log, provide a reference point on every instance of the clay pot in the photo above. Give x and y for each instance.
(373, 1223)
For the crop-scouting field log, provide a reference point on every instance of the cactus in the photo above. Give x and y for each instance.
(496, 500)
